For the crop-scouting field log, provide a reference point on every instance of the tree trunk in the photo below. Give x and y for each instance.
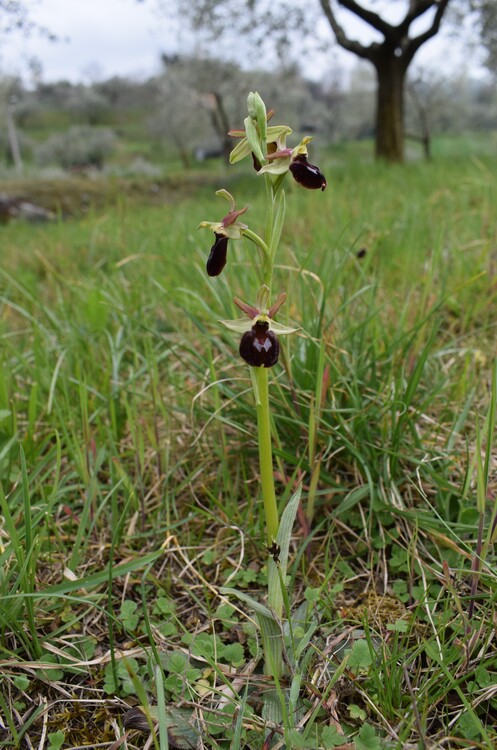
(13, 139)
(390, 107)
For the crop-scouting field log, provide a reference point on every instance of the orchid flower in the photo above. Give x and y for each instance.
(279, 159)
(228, 228)
(259, 345)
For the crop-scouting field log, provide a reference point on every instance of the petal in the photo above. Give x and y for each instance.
(241, 325)
(241, 150)
(280, 300)
(259, 347)
(282, 153)
(307, 175)
(233, 216)
(227, 196)
(282, 330)
(234, 231)
(214, 226)
(278, 166)
(278, 133)
(217, 258)
(249, 310)
(262, 300)
(301, 148)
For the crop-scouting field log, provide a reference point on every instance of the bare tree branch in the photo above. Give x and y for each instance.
(343, 40)
(418, 41)
(371, 18)
(15, 15)
(417, 8)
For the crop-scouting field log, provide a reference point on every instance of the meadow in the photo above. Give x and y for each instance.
(129, 471)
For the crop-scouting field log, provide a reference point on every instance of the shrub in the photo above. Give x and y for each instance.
(80, 146)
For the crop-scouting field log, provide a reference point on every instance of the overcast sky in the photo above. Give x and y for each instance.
(97, 38)
(101, 38)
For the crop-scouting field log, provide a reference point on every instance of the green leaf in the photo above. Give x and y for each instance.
(164, 606)
(21, 682)
(359, 656)
(295, 740)
(259, 608)
(174, 683)
(399, 626)
(312, 594)
(331, 738)
(128, 614)
(234, 654)
(56, 740)
(468, 728)
(102, 577)
(367, 739)
(351, 499)
(161, 709)
(356, 712)
(176, 662)
(226, 612)
(168, 628)
(484, 678)
(433, 652)
(283, 541)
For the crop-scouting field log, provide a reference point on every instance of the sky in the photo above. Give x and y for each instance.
(97, 39)
(102, 38)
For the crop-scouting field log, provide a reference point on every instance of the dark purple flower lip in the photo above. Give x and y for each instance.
(307, 175)
(217, 258)
(260, 347)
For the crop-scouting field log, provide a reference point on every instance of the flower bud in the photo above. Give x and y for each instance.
(260, 347)
(217, 258)
(307, 174)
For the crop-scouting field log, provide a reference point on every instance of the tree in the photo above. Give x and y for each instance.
(200, 98)
(179, 117)
(211, 83)
(488, 27)
(390, 57)
(16, 15)
(7, 114)
(13, 15)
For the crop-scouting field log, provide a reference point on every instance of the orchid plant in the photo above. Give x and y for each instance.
(260, 332)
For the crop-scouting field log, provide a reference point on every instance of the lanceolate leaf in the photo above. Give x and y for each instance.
(277, 573)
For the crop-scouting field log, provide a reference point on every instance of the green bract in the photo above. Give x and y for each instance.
(253, 139)
(257, 111)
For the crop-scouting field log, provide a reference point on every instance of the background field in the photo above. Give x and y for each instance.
(128, 459)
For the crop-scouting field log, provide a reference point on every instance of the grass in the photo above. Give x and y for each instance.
(128, 468)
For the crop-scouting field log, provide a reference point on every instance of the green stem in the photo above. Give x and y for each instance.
(268, 265)
(256, 240)
(266, 454)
